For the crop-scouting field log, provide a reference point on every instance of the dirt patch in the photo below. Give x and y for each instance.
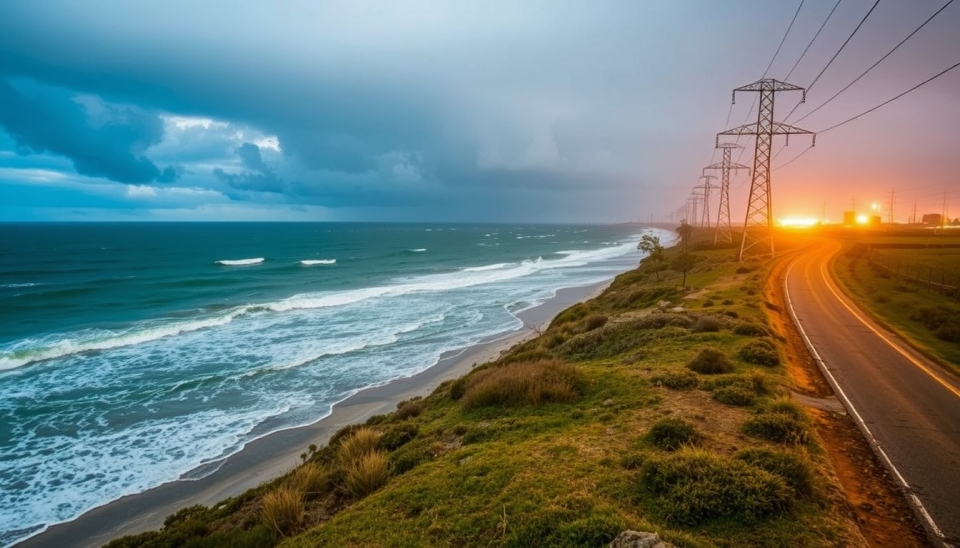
(873, 499)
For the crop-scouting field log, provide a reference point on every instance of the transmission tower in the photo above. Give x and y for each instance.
(724, 233)
(691, 213)
(757, 225)
(704, 196)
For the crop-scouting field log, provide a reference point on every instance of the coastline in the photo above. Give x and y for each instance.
(276, 454)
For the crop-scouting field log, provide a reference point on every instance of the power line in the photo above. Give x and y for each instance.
(784, 39)
(878, 62)
(787, 77)
(832, 59)
(888, 101)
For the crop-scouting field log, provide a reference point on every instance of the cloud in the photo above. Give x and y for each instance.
(257, 177)
(101, 139)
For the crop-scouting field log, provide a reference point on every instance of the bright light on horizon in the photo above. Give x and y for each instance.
(798, 222)
(862, 219)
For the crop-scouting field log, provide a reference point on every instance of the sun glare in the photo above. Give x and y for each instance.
(862, 219)
(798, 222)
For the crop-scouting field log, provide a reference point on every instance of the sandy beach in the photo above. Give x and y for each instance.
(276, 454)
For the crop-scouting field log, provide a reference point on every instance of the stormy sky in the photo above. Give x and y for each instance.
(460, 111)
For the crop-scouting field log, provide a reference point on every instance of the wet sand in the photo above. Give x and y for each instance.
(276, 454)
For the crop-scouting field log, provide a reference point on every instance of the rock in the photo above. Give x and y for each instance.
(639, 539)
(662, 305)
(677, 309)
(607, 402)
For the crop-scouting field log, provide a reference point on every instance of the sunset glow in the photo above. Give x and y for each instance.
(798, 222)
(862, 219)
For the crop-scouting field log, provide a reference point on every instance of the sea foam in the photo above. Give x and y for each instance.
(240, 262)
(312, 262)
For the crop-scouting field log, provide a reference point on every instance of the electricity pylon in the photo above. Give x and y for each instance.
(692, 203)
(705, 188)
(757, 225)
(724, 233)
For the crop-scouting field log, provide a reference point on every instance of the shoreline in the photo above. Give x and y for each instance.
(275, 454)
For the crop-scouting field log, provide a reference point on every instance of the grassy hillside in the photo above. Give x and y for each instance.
(652, 407)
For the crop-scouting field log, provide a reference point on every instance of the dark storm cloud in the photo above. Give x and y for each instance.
(257, 176)
(102, 140)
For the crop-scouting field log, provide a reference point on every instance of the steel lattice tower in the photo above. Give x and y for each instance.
(757, 225)
(705, 188)
(724, 233)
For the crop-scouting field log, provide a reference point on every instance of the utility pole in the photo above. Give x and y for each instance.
(705, 188)
(914, 221)
(692, 203)
(724, 231)
(757, 229)
(943, 212)
(890, 210)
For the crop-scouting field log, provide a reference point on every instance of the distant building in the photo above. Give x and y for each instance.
(849, 218)
(932, 219)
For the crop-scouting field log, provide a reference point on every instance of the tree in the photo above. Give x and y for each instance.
(684, 261)
(651, 246)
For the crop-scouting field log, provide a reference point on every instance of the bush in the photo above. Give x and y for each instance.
(367, 474)
(735, 394)
(409, 457)
(743, 270)
(710, 361)
(694, 487)
(760, 352)
(677, 380)
(706, 324)
(728, 302)
(594, 322)
(572, 314)
(778, 428)
(707, 303)
(397, 436)
(362, 442)
(750, 329)
(672, 434)
(786, 406)
(282, 511)
(408, 409)
(759, 381)
(457, 388)
(793, 468)
(522, 384)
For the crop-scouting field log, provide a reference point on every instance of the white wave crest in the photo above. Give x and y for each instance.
(14, 286)
(240, 262)
(497, 266)
(418, 250)
(311, 262)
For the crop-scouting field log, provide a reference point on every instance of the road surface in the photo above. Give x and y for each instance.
(907, 406)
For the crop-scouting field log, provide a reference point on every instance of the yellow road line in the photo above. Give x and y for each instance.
(932, 374)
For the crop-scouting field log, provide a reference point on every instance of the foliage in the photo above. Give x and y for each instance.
(943, 321)
(706, 324)
(362, 442)
(396, 436)
(794, 468)
(750, 329)
(655, 252)
(760, 352)
(522, 384)
(367, 473)
(710, 361)
(694, 487)
(282, 510)
(672, 434)
(677, 380)
(408, 409)
(778, 428)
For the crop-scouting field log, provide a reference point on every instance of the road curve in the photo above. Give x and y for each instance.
(907, 406)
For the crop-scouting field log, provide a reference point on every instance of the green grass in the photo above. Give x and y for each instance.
(912, 311)
(572, 437)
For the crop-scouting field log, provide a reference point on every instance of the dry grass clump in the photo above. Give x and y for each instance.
(706, 324)
(676, 380)
(672, 434)
(750, 329)
(795, 468)
(367, 473)
(760, 352)
(282, 510)
(360, 443)
(519, 384)
(710, 361)
(778, 428)
(308, 479)
(408, 409)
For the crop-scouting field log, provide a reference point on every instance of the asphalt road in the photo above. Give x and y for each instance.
(907, 406)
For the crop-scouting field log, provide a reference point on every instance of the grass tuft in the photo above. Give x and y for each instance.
(676, 380)
(672, 434)
(282, 511)
(520, 384)
(710, 361)
(750, 329)
(310, 478)
(367, 474)
(760, 352)
(778, 428)
(362, 442)
(794, 468)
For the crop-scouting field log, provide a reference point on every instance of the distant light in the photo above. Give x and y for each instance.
(874, 206)
(798, 222)
(862, 219)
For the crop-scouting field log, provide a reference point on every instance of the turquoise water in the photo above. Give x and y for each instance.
(130, 354)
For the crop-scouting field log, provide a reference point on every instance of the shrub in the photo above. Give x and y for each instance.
(672, 434)
(362, 442)
(743, 270)
(522, 384)
(729, 302)
(750, 329)
(707, 303)
(735, 394)
(795, 469)
(367, 474)
(457, 388)
(594, 322)
(778, 428)
(760, 352)
(786, 406)
(410, 456)
(661, 320)
(677, 380)
(310, 478)
(572, 314)
(694, 487)
(706, 324)
(759, 381)
(397, 436)
(282, 511)
(408, 409)
(710, 361)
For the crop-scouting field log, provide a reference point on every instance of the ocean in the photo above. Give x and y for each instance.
(131, 354)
